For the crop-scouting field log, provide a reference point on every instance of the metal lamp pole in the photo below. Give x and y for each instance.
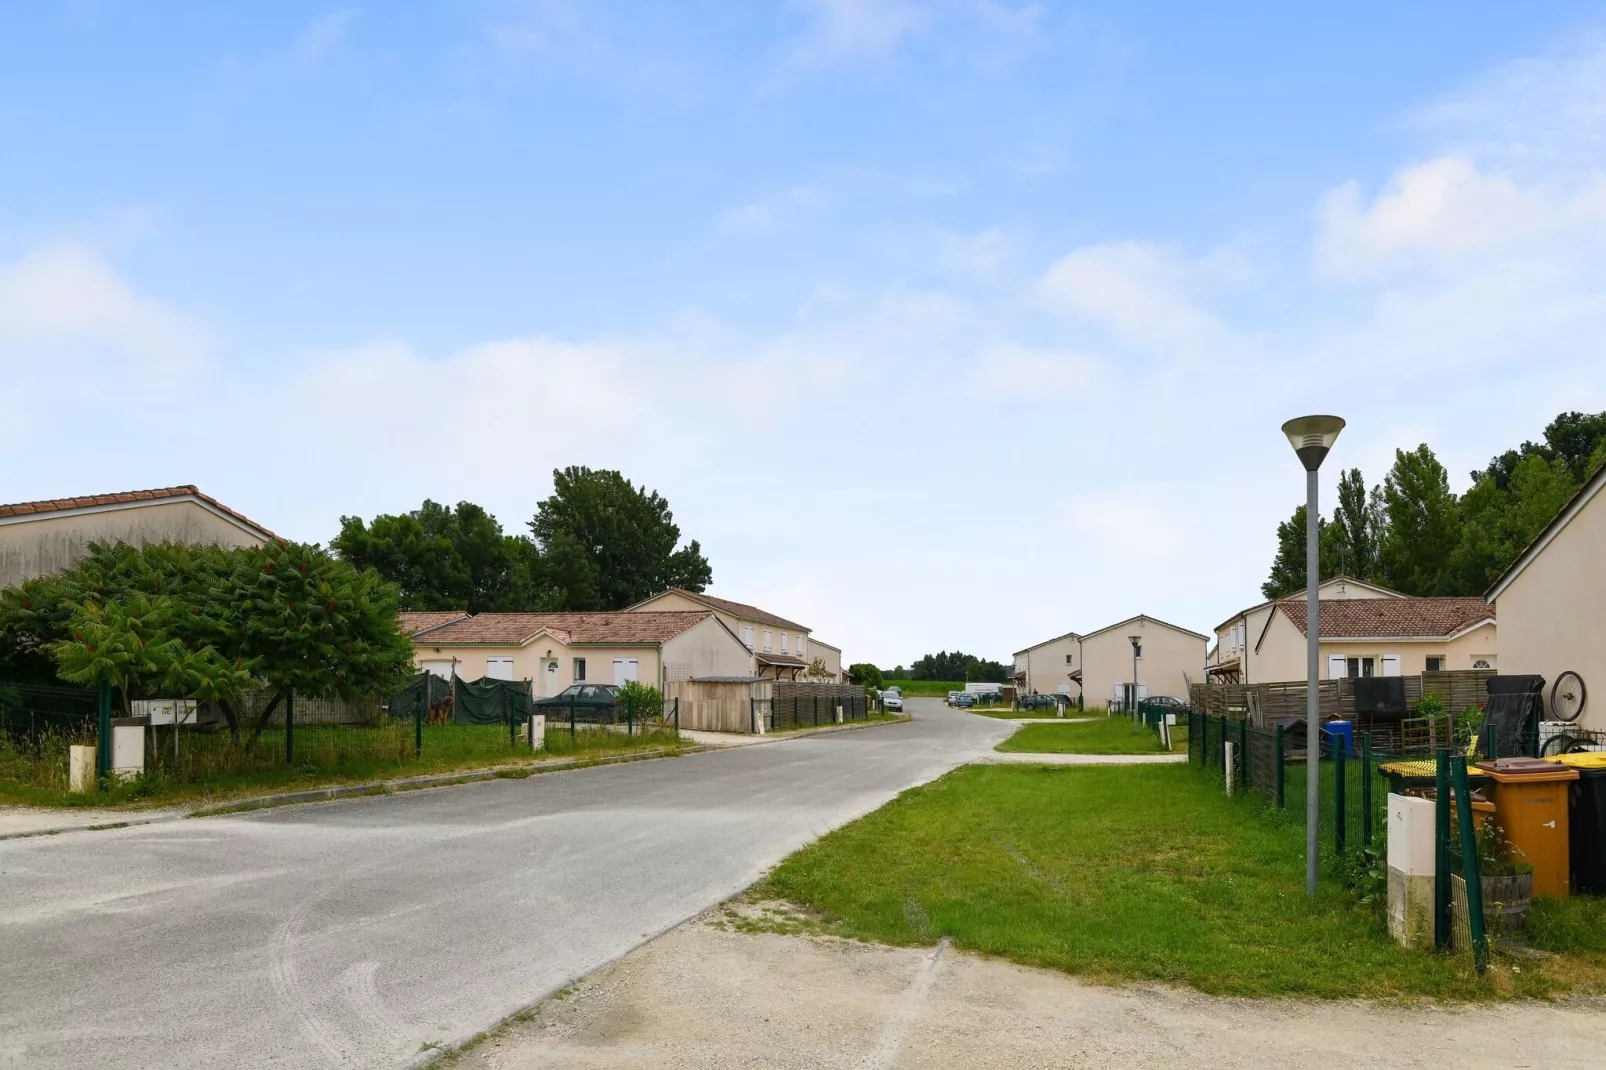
(1312, 437)
(1137, 652)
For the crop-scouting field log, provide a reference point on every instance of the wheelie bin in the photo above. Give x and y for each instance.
(1586, 838)
(1531, 808)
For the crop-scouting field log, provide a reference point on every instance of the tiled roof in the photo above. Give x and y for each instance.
(781, 659)
(514, 629)
(1396, 618)
(125, 497)
(739, 609)
(412, 621)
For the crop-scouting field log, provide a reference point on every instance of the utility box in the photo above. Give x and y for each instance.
(535, 731)
(128, 747)
(1412, 862)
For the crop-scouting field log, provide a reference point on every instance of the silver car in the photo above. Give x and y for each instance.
(892, 701)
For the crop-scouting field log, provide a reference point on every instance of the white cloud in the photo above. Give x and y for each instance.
(325, 33)
(1142, 294)
(773, 213)
(845, 28)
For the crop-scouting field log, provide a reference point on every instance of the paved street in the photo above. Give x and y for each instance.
(357, 933)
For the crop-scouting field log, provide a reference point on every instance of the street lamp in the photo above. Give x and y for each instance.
(1312, 437)
(1137, 652)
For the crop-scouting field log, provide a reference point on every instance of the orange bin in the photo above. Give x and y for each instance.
(1530, 803)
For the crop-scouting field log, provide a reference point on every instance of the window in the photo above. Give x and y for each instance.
(1483, 662)
(747, 635)
(624, 670)
(783, 642)
(579, 669)
(800, 646)
(1391, 665)
(499, 668)
(1362, 667)
(767, 636)
(1068, 658)
(1435, 664)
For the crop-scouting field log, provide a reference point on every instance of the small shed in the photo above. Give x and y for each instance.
(720, 703)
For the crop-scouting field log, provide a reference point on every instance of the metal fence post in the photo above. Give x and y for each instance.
(677, 716)
(1223, 727)
(816, 711)
(752, 715)
(571, 716)
(1278, 735)
(507, 707)
(630, 715)
(1470, 870)
(1243, 750)
(103, 730)
(1338, 793)
(418, 724)
(290, 728)
(1366, 788)
(1441, 838)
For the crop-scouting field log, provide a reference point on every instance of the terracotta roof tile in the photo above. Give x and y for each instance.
(740, 609)
(1395, 618)
(413, 621)
(781, 659)
(125, 497)
(514, 629)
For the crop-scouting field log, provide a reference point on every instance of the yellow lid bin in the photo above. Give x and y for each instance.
(1530, 803)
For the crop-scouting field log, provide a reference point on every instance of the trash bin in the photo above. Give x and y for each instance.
(1586, 838)
(1531, 806)
(1342, 732)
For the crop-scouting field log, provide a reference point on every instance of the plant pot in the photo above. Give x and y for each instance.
(1505, 906)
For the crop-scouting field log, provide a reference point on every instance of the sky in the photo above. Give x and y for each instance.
(941, 324)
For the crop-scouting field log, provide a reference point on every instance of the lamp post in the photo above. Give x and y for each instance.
(1312, 437)
(1137, 652)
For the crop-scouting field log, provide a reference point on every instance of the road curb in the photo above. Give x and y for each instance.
(823, 730)
(374, 787)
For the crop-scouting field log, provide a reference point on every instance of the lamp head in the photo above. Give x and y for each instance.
(1312, 437)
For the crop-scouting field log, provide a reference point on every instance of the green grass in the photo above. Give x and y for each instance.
(1106, 735)
(926, 688)
(210, 767)
(809, 726)
(1136, 874)
(1015, 715)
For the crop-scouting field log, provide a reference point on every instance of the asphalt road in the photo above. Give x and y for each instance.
(358, 933)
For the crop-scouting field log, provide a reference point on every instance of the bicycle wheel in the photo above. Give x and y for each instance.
(1567, 697)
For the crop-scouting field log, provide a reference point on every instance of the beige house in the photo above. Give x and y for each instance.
(1552, 601)
(830, 656)
(1235, 659)
(1170, 658)
(38, 538)
(1396, 636)
(555, 650)
(779, 647)
(1052, 667)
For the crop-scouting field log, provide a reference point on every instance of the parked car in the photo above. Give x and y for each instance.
(964, 700)
(590, 702)
(892, 701)
(1039, 702)
(953, 695)
(1172, 705)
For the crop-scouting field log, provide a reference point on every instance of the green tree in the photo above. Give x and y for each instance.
(442, 558)
(957, 665)
(1423, 524)
(1572, 437)
(1288, 567)
(1357, 526)
(866, 675)
(626, 533)
(1496, 524)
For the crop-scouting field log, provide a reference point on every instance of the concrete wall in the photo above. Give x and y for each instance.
(37, 546)
(1171, 657)
(1553, 614)
(1048, 665)
(705, 650)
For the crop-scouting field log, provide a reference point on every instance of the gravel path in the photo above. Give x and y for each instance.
(707, 997)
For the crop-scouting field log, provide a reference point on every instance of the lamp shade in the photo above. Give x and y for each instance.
(1312, 437)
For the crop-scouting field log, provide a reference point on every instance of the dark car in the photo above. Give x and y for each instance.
(963, 699)
(1172, 705)
(1038, 702)
(590, 702)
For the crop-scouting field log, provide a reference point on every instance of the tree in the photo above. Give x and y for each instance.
(627, 535)
(1496, 524)
(1288, 567)
(1572, 437)
(866, 675)
(1357, 526)
(1423, 525)
(956, 666)
(817, 669)
(445, 559)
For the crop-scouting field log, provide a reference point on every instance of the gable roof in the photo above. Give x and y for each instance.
(725, 605)
(1390, 618)
(1151, 620)
(1299, 596)
(126, 499)
(516, 629)
(1045, 642)
(413, 621)
(1563, 517)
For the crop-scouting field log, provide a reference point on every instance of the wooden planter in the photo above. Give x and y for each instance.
(1505, 907)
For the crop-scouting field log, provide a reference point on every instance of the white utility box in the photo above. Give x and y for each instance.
(128, 749)
(1412, 861)
(536, 730)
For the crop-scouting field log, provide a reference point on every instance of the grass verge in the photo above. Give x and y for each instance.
(809, 726)
(1139, 873)
(1106, 735)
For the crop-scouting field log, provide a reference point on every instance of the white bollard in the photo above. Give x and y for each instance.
(80, 769)
(1231, 747)
(839, 715)
(537, 731)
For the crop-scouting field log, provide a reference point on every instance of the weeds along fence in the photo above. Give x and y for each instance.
(432, 722)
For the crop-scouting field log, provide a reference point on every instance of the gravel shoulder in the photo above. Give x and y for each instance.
(710, 994)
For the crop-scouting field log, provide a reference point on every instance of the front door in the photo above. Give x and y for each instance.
(549, 678)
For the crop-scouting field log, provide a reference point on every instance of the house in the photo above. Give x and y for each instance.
(38, 538)
(830, 657)
(558, 649)
(1395, 636)
(1052, 667)
(1234, 661)
(780, 647)
(1552, 601)
(1169, 658)
(1097, 667)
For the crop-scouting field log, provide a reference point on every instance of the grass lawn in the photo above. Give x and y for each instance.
(1143, 874)
(809, 726)
(210, 768)
(1106, 735)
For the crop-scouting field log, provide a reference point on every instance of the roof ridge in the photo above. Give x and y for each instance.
(126, 497)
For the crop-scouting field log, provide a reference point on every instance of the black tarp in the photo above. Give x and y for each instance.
(423, 693)
(1380, 696)
(1513, 709)
(488, 701)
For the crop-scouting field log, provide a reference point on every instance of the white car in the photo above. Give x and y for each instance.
(892, 701)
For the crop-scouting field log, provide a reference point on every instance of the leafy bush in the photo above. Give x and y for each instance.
(644, 700)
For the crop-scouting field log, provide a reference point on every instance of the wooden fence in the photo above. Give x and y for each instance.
(1270, 703)
(800, 702)
(719, 705)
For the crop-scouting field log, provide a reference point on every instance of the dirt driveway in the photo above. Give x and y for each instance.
(705, 995)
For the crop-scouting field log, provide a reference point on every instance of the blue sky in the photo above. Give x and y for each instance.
(1023, 290)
